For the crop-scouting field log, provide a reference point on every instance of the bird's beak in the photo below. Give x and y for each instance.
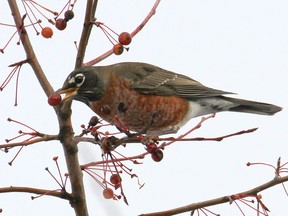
(70, 93)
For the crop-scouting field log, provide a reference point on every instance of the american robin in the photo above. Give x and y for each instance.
(148, 99)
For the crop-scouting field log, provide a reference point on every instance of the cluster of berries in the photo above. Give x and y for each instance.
(156, 153)
(124, 39)
(115, 180)
(60, 24)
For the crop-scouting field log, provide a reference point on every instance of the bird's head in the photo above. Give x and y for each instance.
(83, 84)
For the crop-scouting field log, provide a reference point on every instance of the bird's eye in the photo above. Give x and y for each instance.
(79, 79)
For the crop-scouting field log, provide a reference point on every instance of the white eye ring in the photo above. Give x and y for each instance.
(79, 79)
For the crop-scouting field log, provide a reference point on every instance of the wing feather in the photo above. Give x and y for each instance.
(150, 79)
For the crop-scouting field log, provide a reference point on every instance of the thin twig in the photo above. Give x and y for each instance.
(132, 158)
(220, 138)
(55, 193)
(45, 137)
(147, 18)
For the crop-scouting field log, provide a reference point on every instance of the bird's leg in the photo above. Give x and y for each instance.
(171, 130)
(123, 129)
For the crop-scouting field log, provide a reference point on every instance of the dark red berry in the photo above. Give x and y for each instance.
(93, 121)
(68, 15)
(125, 38)
(54, 99)
(61, 24)
(157, 155)
(115, 179)
(151, 147)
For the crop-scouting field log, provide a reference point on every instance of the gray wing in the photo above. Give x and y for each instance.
(149, 79)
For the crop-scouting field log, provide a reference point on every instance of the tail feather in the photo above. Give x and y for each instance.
(252, 106)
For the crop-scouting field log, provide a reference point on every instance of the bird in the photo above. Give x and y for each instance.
(147, 99)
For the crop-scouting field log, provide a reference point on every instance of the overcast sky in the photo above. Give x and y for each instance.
(237, 46)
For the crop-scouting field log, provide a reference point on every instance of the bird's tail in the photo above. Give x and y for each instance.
(252, 106)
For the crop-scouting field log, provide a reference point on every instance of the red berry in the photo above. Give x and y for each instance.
(118, 49)
(115, 179)
(47, 32)
(54, 99)
(151, 147)
(69, 14)
(61, 24)
(157, 155)
(125, 38)
(108, 193)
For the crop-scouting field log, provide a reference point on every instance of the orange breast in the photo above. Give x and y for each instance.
(138, 111)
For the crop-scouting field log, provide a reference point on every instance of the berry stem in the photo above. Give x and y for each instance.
(60, 174)
(25, 3)
(108, 35)
(8, 78)
(2, 49)
(17, 122)
(54, 178)
(47, 9)
(18, 152)
(17, 84)
(121, 187)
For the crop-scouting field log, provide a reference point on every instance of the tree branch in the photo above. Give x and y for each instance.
(91, 6)
(220, 200)
(147, 18)
(66, 134)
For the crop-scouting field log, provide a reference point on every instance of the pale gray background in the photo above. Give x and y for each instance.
(238, 46)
